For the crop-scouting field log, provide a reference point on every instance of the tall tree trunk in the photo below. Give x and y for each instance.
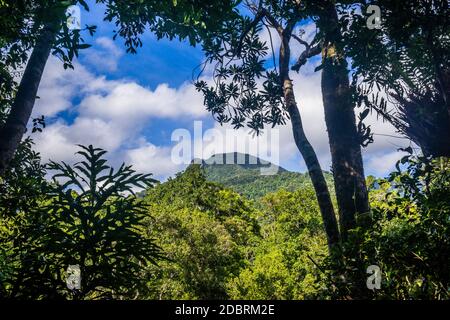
(347, 163)
(12, 131)
(306, 149)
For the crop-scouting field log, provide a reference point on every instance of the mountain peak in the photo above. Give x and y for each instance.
(247, 174)
(243, 160)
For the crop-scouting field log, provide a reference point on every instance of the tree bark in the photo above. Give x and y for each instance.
(347, 163)
(306, 149)
(12, 131)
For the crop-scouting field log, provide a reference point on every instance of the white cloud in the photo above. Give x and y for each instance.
(307, 88)
(150, 158)
(112, 114)
(59, 86)
(130, 100)
(381, 164)
(56, 98)
(309, 98)
(54, 145)
(104, 56)
(58, 141)
(275, 145)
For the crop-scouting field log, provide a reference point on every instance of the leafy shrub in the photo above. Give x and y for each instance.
(88, 217)
(207, 231)
(22, 189)
(409, 238)
(287, 259)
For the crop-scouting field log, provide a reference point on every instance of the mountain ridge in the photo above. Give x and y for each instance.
(245, 176)
(244, 160)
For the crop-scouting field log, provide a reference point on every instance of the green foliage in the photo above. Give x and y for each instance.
(18, 36)
(248, 181)
(207, 233)
(21, 24)
(236, 97)
(293, 244)
(21, 190)
(409, 238)
(182, 19)
(215, 243)
(86, 218)
(202, 253)
(405, 63)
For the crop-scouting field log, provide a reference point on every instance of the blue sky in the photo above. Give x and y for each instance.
(157, 61)
(131, 104)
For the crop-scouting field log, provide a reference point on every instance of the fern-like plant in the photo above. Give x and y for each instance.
(91, 218)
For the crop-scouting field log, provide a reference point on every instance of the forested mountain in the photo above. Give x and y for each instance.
(246, 178)
(80, 223)
(189, 238)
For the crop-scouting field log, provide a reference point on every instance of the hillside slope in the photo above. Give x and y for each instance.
(245, 176)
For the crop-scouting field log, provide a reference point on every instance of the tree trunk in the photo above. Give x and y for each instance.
(306, 149)
(12, 131)
(347, 163)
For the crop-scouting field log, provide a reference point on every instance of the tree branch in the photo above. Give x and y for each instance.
(308, 53)
(259, 14)
(273, 22)
(301, 41)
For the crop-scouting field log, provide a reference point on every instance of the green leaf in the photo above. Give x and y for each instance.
(84, 4)
(83, 46)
